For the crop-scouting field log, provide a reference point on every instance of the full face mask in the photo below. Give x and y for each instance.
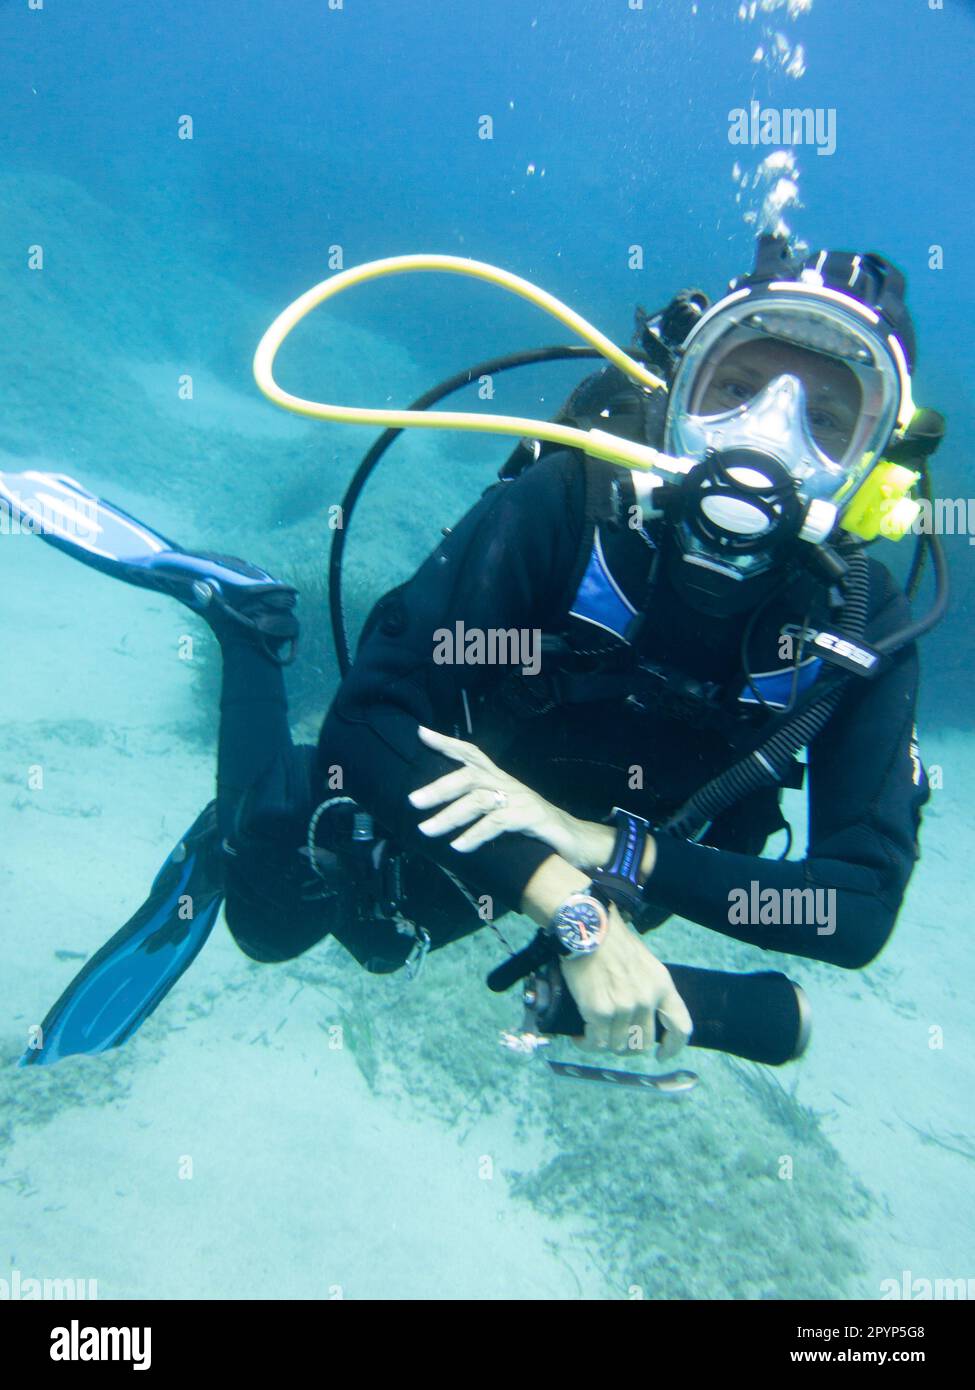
(785, 397)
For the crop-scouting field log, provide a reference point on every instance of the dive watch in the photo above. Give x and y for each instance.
(579, 925)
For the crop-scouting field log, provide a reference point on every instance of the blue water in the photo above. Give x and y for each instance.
(354, 131)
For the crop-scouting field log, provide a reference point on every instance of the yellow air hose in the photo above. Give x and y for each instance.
(594, 442)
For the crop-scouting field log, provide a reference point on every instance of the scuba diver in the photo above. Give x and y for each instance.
(692, 633)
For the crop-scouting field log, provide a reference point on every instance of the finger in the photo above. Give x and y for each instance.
(598, 1030)
(453, 747)
(489, 827)
(445, 788)
(619, 1031)
(676, 1023)
(643, 1031)
(461, 812)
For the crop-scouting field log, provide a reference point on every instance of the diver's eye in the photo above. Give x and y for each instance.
(736, 392)
(822, 422)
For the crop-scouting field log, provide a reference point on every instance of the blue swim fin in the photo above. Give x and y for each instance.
(63, 513)
(117, 990)
(66, 515)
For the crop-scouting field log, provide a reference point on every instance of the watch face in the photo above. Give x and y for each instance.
(580, 924)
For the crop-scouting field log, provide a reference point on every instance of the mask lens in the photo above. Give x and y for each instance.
(834, 395)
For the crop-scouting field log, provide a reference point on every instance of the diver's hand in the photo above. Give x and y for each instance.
(470, 797)
(621, 990)
(621, 985)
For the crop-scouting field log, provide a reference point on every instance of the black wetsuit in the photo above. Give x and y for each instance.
(508, 564)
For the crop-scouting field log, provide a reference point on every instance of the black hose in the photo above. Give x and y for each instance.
(935, 613)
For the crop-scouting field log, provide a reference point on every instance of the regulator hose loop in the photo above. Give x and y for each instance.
(593, 443)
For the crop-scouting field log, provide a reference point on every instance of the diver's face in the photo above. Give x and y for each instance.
(833, 395)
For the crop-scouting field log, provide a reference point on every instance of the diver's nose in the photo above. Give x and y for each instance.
(778, 411)
(787, 393)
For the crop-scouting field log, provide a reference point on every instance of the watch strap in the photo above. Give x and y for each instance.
(618, 879)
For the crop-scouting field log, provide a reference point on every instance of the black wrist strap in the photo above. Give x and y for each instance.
(619, 877)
